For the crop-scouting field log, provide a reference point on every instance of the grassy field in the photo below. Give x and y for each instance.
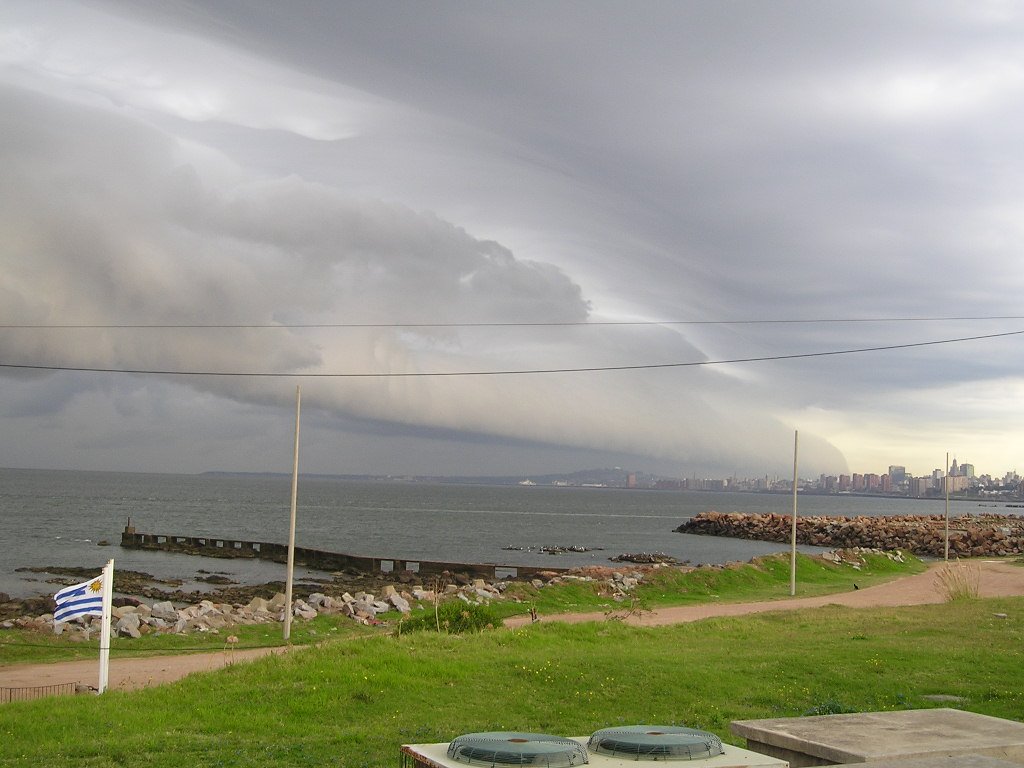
(353, 701)
(767, 578)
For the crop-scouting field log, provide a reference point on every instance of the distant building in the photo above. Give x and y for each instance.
(957, 483)
(898, 474)
(920, 486)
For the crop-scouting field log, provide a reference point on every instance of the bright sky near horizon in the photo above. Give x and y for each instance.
(507, 187)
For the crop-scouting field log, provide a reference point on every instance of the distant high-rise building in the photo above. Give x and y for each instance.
(967, 470)
(898, 474)
(919, 486)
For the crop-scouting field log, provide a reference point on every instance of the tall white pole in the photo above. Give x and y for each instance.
(108, 610)
(291, 526)
(792, 535)
(945, 536)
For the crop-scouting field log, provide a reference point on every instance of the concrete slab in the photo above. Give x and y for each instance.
(956, 761)
(879, 736)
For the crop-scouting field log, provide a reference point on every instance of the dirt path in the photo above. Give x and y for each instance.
(997, 579)
(125, 674)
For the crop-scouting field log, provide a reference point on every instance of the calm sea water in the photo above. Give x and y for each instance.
(58, 518)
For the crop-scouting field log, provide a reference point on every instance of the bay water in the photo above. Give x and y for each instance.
(71, 518)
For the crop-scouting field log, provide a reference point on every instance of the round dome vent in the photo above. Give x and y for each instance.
(655, 742)
(504, 748)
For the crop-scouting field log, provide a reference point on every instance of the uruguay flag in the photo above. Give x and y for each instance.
(84, 599)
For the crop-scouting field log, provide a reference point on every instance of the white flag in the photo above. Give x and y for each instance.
(85, 599)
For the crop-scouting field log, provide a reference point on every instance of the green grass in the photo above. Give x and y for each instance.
(765, 578)
(353, 703)
(23, 647)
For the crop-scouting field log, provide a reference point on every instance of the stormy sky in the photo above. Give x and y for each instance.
(356, 192)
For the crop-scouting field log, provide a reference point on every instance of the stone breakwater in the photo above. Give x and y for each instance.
(134, 618)
(969, 535)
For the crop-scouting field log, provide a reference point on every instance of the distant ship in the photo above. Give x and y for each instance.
(527, 481)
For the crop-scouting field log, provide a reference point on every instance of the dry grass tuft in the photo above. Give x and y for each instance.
(958, 581)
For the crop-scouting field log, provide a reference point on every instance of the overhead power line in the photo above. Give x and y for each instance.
(567, 324)
(520, 372)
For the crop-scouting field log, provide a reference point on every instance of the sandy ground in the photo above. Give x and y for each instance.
(997, 579)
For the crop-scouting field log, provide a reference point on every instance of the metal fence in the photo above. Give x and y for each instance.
(36, 692)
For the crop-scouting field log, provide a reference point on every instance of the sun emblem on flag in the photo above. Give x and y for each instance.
(96, 586)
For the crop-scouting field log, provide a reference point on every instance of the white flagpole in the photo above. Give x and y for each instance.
(291, 528)
(108, 603)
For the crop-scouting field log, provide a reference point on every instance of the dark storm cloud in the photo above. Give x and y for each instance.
(534, 161)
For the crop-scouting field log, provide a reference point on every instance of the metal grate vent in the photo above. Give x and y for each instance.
(499, 748)
(655, 742)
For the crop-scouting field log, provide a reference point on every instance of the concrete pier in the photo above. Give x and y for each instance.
(208, 546)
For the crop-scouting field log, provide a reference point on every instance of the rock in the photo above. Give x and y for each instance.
(128, 625)
(276, 603)
(164, 610)
(400, 603)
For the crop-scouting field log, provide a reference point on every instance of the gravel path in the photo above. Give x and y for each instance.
(997, 579)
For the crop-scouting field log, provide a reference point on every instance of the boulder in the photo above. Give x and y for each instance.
(128, 625)
(400, 603)
(259, 605)
(164, 610)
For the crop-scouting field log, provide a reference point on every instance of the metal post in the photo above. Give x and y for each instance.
(291, 526)
(946, 531)
(792, 554)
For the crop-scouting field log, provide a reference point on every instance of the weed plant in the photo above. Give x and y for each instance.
(958, 581)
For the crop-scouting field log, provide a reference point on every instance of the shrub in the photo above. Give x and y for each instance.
(453, 617)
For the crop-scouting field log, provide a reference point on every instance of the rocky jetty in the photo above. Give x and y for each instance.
(135, 618)
(969, 535)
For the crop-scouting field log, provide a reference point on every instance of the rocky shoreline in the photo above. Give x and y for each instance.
(990, 535)
(363, 598)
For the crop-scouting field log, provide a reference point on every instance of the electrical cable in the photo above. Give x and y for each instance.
(568, 323)
(512, 372)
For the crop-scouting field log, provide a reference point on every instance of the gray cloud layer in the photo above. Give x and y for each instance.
(442, 163)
